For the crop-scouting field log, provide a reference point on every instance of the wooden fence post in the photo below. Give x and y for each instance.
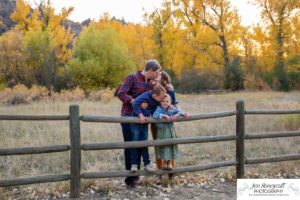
(240, 132)
(75, 151)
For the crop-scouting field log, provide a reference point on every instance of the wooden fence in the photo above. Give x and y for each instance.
(75, 147)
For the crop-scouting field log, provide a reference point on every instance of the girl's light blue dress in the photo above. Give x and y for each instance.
(166, 131)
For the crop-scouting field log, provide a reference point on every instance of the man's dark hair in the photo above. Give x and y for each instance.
(152, 65)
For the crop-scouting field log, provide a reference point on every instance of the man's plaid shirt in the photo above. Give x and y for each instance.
(133, 85)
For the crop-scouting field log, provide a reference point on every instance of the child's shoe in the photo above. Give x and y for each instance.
(149, 168)
(169, 164)
(165, 165)
(134, 168)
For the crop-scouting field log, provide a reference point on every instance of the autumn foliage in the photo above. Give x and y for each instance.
(202, 43)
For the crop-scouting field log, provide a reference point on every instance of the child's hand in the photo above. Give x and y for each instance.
(142, 118)
(174, 117)
(186, 116)
(144, 105)
(167, 118)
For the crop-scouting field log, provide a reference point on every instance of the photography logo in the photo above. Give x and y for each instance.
(268, 189)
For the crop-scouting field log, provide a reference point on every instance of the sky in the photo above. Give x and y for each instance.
(133, 10)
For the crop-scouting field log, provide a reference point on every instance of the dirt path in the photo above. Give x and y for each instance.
(180, 189)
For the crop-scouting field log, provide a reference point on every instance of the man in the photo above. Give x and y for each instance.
(134, 85)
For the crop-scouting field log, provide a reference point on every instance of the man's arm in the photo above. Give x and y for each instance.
(137, 103)
(124, 90)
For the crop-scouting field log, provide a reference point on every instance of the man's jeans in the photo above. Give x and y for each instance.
(127, 135)
(139, 133)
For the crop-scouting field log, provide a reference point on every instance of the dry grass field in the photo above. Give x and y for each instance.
(41, 133)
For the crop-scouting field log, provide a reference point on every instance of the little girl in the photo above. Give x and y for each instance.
(167, 130)
(163, 79)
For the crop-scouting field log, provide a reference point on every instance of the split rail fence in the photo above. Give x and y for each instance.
(75, 147)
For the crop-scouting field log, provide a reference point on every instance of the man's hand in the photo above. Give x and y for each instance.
(142, 118)
(144, 105)
(131, 101)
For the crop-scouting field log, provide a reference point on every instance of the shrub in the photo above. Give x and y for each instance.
(20, 94)
(76, 94)
(101, 63)
(195, 81)
(291, 122)
(252, 82)
(236, 75)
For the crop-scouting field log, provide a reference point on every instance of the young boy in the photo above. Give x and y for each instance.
(143, 106)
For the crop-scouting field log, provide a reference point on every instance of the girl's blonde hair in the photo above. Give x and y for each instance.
(168, 96)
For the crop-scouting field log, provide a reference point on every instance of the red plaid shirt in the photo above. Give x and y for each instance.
(133, 85)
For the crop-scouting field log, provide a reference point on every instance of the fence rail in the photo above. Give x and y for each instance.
(33, 150)
(106, 119)
(111, 174)
(34, 117)
(76, 147)
(36, 179)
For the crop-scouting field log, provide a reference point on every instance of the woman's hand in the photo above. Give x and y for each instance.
(170, 87)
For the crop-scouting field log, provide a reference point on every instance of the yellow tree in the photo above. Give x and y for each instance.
(54, 38)
(277, 15)
(139, 41)
(220, 18)
(23, 17)
(138, 38)
(159, 21)
(12, 60)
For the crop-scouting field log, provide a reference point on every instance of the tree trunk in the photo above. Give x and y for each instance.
(226, 61)
(280, 71)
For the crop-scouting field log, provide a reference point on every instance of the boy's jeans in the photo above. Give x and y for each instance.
(139, 133)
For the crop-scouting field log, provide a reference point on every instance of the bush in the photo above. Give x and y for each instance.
(291, 122)
(252, 82)
(236, 77)
(100, 59)
(20, 94)
(196, 81)
(76, 94)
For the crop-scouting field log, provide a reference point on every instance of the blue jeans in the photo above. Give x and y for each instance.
(127, 136)
(139, 133)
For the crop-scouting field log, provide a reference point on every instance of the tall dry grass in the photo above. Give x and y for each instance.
(26, 133)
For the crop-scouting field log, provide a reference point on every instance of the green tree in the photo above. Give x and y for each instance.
(40, 57)
(100, 59)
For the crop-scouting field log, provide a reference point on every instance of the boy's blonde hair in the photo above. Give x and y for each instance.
(158, 90)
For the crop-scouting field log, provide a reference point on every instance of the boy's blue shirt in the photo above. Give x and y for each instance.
(145, 97)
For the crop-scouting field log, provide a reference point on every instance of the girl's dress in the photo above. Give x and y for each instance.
(166, 131)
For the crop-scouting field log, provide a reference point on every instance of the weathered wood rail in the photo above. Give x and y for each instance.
(75, 147)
